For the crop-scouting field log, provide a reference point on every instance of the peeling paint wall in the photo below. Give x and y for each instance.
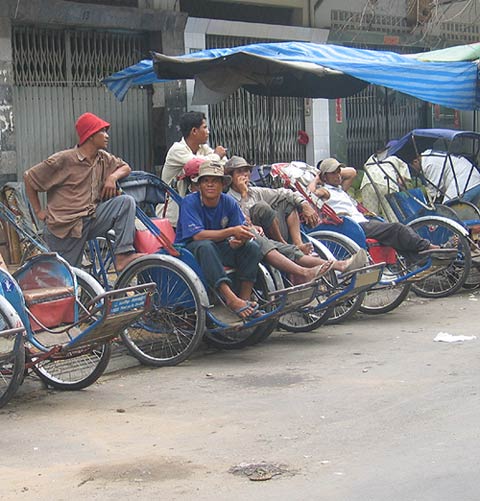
(7, 129)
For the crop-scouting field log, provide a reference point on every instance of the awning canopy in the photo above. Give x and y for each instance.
(448, 77)
(450, 140)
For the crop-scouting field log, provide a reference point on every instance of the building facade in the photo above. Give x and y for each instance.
(54, 54)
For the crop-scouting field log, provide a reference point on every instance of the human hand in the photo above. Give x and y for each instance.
(259, 230)
(309, 214)
(220, 151)
(41, 215)
(235, 243)
(241, 233)
(109, 188)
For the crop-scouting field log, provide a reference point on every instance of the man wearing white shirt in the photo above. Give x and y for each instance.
(399, 236)
(194, 143)
(449, 176)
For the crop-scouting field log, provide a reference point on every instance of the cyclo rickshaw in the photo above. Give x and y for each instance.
(58, 321)
(181, 312)
(184, 305)
(343, 237)
(439, 209)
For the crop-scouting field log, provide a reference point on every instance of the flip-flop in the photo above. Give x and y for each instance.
(248, 304)
(325, 268)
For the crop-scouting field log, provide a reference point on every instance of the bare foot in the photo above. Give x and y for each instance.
(309, 274)
(306, 248)
(319, 271)
(241, 307)
(123, 260)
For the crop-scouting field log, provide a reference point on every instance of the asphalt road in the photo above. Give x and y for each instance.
(370, 410)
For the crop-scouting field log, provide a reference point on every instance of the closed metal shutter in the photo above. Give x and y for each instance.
(261, 129)
(377, 114)
(58, 77)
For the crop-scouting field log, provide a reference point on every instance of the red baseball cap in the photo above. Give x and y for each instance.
(192, 167)
(89, 124)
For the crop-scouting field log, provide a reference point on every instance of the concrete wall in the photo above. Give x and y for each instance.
(7, 129)
(459, 12)
(301, 8)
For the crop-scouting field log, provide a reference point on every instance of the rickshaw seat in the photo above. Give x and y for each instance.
(45, 294)
(406, 204)
(381, 253)
(146, 242)
(48, 287)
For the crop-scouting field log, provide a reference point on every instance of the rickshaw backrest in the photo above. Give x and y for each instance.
(407, 204)
(147, 189)
(48, 286)
(146, 241)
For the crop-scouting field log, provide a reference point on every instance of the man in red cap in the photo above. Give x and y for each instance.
(81, 195)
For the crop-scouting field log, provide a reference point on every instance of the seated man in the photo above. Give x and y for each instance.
(286, 257)
(212, 226)
(388, 174)
(275, 210)
(448, 177)
(194, 143)
(399, 236)
(82, 201)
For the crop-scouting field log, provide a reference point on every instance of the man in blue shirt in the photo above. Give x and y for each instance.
(213, 228)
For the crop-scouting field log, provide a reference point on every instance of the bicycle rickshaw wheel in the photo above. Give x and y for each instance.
(171, 331)
(446, 282)
(79, 368)
(302, 320)
(341, 249)
(385, 299)
(12, 353)
(254, 335)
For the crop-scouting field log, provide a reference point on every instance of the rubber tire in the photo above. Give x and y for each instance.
(15, 363)
(420, 287)
(156, 268)
(341, 249)
(97, 357)
(404, 290)
(303, 321)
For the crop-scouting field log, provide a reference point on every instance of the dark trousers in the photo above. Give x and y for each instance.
(213, 256)
(399, 236)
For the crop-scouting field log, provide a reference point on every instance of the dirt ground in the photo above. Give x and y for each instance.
(370, 410)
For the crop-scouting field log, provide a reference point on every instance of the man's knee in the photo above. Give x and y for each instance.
(262, 214)
(120, 206)
(200, 247)
(253, 250)
(127, 202)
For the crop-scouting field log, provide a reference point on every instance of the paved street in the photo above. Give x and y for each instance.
(370, 410)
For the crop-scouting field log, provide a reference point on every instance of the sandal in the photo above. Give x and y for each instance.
(255, 313)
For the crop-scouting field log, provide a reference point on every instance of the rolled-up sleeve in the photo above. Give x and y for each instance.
(45, 175)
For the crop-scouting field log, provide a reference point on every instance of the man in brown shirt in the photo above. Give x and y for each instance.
(81, 195)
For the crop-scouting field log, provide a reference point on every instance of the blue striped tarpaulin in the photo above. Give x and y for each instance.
(316, 70)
